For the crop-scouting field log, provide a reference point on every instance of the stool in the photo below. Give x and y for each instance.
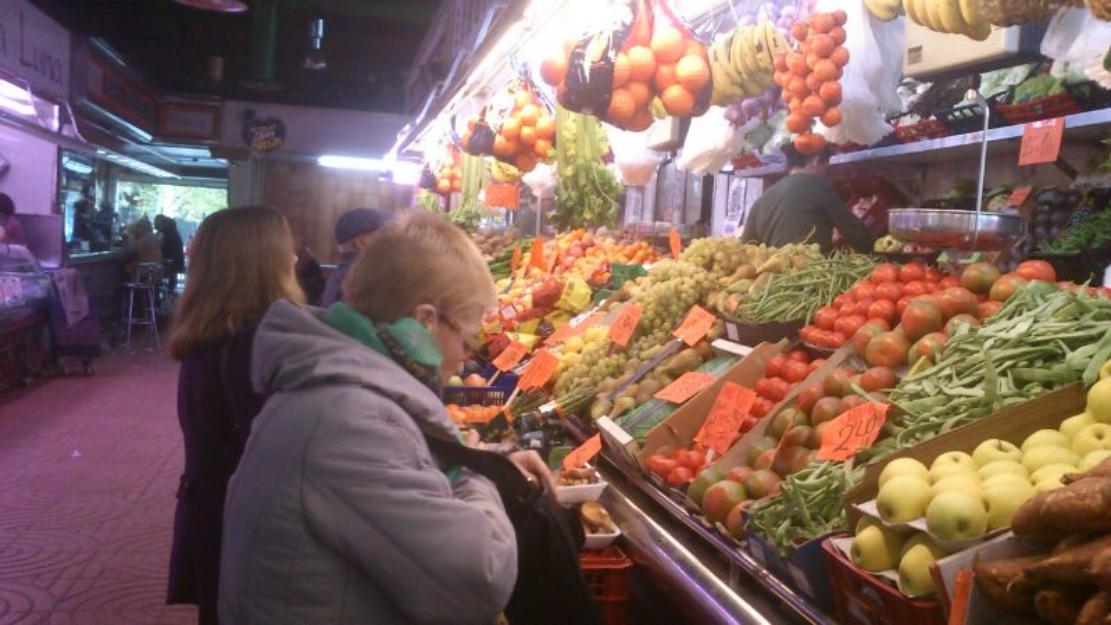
(143, 288)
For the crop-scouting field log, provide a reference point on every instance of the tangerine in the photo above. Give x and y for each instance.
(545, 127)
(620, 70)
(642, 95)
(839, 56)
(529, 114)
(521, 99)
(831, 117)
(642, 120)
(553, 69)
(797, 87)
(838, 35)
(812, 106)
(678, 101)
(799, 30)
(695, 48)
(822, 45)
(622, 107)
(813, 83)
(665, 77)
(797, 123)
(826, 69)
(830, 93)
(542, 148)
(528, 135)
(822, 22)
(642, 64)
(510, 128)
(692, 72)
(809, 143)
(667, 44)
(525, 161)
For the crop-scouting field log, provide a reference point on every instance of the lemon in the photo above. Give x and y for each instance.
(1099, 400)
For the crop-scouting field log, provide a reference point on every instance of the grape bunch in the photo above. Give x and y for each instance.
(718, 255)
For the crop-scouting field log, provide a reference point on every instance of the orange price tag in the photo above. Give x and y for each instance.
(536, 255)
(1041, 141)
(563, 333)
(723, 424)
(583, 453)
(622, 328)
(852, 431)
(1018, 196)
(685, 387)
(516, 258)
(538, 370)
(695, 326)
(502, 196)
(510, 356)
(676, 243)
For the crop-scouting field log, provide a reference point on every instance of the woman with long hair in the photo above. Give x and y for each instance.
(241, 261)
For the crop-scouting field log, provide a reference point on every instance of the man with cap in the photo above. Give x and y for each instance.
(353, 231)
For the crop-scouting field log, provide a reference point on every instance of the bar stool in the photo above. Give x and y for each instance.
(143, 288)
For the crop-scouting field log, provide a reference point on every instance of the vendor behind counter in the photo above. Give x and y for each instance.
(804, 206)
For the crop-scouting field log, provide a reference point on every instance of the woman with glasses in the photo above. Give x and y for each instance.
(339, 513)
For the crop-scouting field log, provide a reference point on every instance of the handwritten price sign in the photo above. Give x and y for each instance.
(583, 453)
(538, 370)
(852, 431)
(685, 387)
(695, 326)
(536, 254)
(723, 424)
(1041, 141)
(622, 328)
(567, 331)
(510, 356)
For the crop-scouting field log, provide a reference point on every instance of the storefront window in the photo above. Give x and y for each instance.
(187, 205)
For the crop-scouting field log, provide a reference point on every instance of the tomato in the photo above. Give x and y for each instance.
(850, 324)
(890, 291)
(958, 300)
(948, 282)
(749, 422)
(988, 308)
(1036, 270)
(882, 309)
(661, 465)
(806, 333)
(679, 476)
(776, 389)
(885, 272)
(836, 339)
(760, 408)
(958, 320)
(920, 318)
(799, 354)
(931, 286)
(1006, 286)
(933, 274)
(861, 306)
(816, 364)
(888, 349)
(871, 328)
(774, 365)
(929, 347)
(810, 394)
(978, 277)
(825, 317)
(849, 402)
(912, 272)
(825, 409)
(901, 305)
(694, 461)
(864, 290)
(837, 382)
(761, 387)
(842, 300)
(795, 371)
(914, 288)
(877, 379)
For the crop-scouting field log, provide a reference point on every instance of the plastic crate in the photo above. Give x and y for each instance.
(1042, 108)
(608, 573)
(860, 598)
(965, 118)
(476, 395)
(1089, 95)
(926, 129)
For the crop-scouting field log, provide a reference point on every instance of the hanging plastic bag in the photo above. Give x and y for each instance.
(711, 141)
(1075, 36)
(635, 161)
(682, 76)
(478, 138)
(541, 181)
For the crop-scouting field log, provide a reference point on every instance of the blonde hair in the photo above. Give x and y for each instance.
(420, 259)
(240, 262)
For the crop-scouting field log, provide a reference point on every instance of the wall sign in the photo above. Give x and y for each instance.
(106, 85)
(189, 120)
(34, 47)
(263, 134)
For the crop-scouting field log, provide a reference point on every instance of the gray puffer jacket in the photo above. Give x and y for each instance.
(338, 513)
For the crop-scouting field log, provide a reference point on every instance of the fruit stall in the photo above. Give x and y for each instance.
(774, 434)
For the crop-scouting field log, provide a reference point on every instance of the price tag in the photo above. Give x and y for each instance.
(536, 255)
(538, 370)
(1041, 141)
(502, 196)
(723, 424)
(676, 243)
(510, 356)
(583, 453)
(622, 328)
(1019, 195)
(685, 387)
(567, 331)
(516, 258)
(852, 431)
(694, 328)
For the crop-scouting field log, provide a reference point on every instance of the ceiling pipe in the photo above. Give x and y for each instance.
(264, 40)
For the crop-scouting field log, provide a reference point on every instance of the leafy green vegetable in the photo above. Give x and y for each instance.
(468, 215)
(1091, 233)
(1041, 86)
(587, 191)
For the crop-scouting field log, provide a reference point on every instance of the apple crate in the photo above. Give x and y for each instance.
(860, 598)
(608, 573)
(805, 569)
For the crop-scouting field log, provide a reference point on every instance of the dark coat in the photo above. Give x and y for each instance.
(215, 404)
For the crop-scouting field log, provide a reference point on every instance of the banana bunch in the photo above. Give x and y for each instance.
(950, 16)
(503, 172)
(885, 10)
(741, 62)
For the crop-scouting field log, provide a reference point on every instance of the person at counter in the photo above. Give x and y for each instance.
(11, 231)
(173, 249)
(804, 206)
(143, 245)
(353, 232)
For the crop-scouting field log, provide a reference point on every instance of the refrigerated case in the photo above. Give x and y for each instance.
(24, 293)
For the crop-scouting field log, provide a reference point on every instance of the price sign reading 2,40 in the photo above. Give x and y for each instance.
(852, 431)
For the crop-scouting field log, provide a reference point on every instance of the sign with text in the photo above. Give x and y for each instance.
(34, 48)
(565, 332)
(1018, 196)
(190, 120)
(107, 85)
(502, 196)
(583, 453)
(622, 328)
(695, 326)
(510, 356)
(688, 385)
(263, 134)
(538, 370)
(723, 423)
(852, 431)
(536, 254)
(1041, 141)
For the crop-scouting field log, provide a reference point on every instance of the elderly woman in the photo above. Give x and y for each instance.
(338, 512)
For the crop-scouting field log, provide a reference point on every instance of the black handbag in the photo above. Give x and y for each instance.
(550, 588)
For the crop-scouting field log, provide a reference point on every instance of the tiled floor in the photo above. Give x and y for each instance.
(88, 472)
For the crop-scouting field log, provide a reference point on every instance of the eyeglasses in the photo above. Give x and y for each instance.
(469, 340)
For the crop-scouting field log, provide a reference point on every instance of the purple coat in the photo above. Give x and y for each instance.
(215, 404)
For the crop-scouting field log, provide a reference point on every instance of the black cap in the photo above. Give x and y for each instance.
(358, 221)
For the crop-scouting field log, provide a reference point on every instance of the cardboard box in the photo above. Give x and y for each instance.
(944, 572)
(1012, 424)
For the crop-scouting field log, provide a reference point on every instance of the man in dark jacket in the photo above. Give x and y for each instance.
(353, 231)
(804, 206)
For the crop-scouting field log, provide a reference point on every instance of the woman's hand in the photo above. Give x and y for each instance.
(534, 468)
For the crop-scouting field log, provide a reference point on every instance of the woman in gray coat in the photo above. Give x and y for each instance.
(338, 513)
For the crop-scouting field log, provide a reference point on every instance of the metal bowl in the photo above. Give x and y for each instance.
(955, 229)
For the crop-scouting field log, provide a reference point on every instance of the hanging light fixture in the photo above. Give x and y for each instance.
(314, 60)
(219, 6)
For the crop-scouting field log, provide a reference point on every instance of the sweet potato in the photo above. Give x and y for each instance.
(1027, 520)
(1071, 566)
(1005, 585)
(1083, 506)
(1059, 604)
(1097, 610)
(1102, 469)
(1100, 569)
(1074, 540)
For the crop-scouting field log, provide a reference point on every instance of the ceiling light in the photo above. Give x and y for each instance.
(314, 60)
(220, 6)
(403, 172)
(16, 99)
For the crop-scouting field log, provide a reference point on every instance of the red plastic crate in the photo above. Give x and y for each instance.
(860, 598)
(928, 129)
(1042, 108)
(608, 574)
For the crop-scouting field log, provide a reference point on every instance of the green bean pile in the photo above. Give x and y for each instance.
(809, 505)
(798, 294)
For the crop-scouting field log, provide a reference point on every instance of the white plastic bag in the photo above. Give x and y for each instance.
(711, 141)
(871, 77)
(1075, 36)
(635, 161)
(541, 180)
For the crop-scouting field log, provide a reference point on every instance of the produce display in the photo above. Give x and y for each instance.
(1092, 232)
(523, 130)
(808, 505)
(752, 276)
(741, 62)
(810, 77)
(798, 294)
(587, 191)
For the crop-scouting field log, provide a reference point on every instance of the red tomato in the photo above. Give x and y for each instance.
(808, 395)
(978, 277)
(695, 460)
(795, 371)
(798, 354)
(848, 326)
(877, 379)
(901, 305)
(841, 300)
(929, 347)
(679, 476)
(761, 407)
(1036, 270)
(931, 286)
(890, 291)
(661, 465)
(912, 272)
(777, 389)
(914, 288)
(1006, 286)
(750, 421)
(988, 308)
(761, 387)
(774, 365)
(882, 309)
(888, 349)
(864, 290)
(949, 282)
(884, 273)
(957, 300)
(961, 319)
(933, 274)
(921, 318)
(872, 328)
(836, 339)
(825, 317)
(806, 333)
(816, 364)
(861, 306)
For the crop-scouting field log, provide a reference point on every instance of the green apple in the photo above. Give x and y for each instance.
(1038, 457)
(455, 381)
(1072, 425)
(903, 498)
(1002, 499)
(1044, 438)
(876, 548)
(1091, 438)
(954, 457)
(992, 469)
(1099, 400)
(995, 449)
(958, 483)
(903, 466)
(942, 471)
(956, 516)
(1048, 484)
(914, 568)
(865, 521)
(1012, 478)
(1093, 458)
(1051, 471)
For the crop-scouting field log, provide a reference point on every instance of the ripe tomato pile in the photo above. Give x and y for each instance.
(782, 373)
(677, 466)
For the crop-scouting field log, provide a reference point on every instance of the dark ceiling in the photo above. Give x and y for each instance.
(369, 46)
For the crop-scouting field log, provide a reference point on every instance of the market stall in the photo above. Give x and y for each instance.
(778, 433)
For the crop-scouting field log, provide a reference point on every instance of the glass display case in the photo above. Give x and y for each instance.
(24, 286)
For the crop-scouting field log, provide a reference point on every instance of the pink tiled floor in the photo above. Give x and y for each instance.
(88, 472)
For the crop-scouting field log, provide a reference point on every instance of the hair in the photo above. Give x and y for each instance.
(139, 227)
(7, 206)
(420, 259)
(164, 223)
(241, 261)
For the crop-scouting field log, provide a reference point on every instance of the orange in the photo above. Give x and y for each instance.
(838, 35)
(620, 70)
(796, 63)
(831, 117)
(443, 186)
(510, 128)
(640, 92)
(678, 101)
(692, 72)
(665, 77)
(839, 56)
(812, 106)
(668, 44)
(541, 148)
(797, 123)
(553, 69)
(830, 93)
(797, 87)
(822, 45)
(525, 161)
(642, 63)
(456, 185)
(822, 22)
(522, 99)
(622, 107)
(809, 143)
(528, 135)
(826, 70)
(529, 114)
(813, 83)
(545, 127)
(695, 48)
(640, 121)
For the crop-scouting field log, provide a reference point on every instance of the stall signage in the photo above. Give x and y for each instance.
(502, 196)
(34, 47)
(688, 385)
(109, 87)
(695, 326)
(723, 423)
(675, 242)
(583, 453)
(852, 431)
(263, 134)
(623, 326)
(189, 120)
(1041, 141)
(1019, 196)
(538, 370)
(510, 356)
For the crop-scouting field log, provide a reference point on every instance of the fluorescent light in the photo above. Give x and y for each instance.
(16, 99)
(76, 167)
(134, 164)
(404, 172)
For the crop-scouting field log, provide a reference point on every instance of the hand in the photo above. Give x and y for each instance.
(534, 468)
